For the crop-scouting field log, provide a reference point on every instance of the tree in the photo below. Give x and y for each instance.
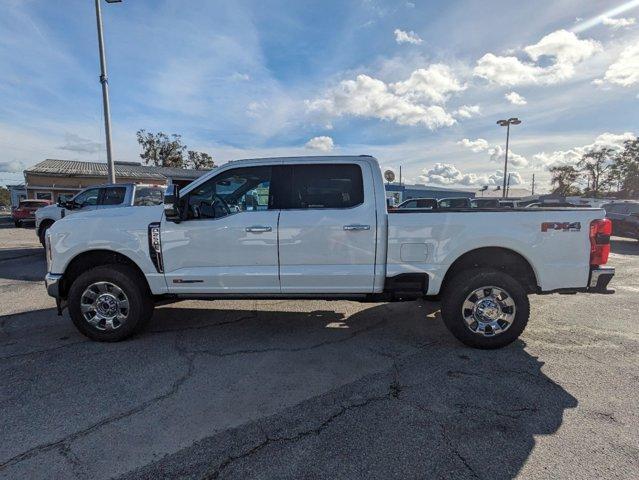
(626, 168)
(564, 177)
(161, 149)
(5, 196)
(596, 166)
(200, 160)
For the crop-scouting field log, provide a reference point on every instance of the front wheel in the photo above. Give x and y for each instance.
(485, 308)
(110, 303)
(42, 235)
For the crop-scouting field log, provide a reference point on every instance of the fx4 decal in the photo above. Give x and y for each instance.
(564, 226)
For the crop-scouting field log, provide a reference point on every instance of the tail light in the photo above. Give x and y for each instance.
(600, 231)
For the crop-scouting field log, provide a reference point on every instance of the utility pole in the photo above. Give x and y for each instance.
(533, 185)
(400, 175)
(507, 124)
(105, 90)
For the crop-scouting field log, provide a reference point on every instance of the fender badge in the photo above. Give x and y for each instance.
(563, 226)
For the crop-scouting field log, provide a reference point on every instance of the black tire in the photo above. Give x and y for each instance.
(464, 284)
(17, 223)
(43, 231)
(129, 281)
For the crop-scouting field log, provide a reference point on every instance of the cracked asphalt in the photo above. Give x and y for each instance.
(316, 389)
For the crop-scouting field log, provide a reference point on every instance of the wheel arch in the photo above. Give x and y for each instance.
(45, 222)
(94, 258)
(500, 258)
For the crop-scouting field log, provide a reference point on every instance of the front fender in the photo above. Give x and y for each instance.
(114, 230)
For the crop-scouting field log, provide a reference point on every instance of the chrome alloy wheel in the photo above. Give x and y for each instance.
(104, 305)
(489, 311)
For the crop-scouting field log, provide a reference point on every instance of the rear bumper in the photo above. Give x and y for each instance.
(599, 279)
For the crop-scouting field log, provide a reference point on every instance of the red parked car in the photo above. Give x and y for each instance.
(25, 212)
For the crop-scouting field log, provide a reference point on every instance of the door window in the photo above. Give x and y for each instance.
(324, 186)
(234, 191)
(87, 198)
(113, 196)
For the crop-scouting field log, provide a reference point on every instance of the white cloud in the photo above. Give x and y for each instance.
(435, 84)
(12, 166)
(573, 155)
(515, 98)
(564, 47)
(78, 144)
(476, 146)
(617, 23)
(625, 71)
(448, 174)
(240, 77)
(323, 143)
(406, 103)
(497, 154)
(467, 111)
(407, 37)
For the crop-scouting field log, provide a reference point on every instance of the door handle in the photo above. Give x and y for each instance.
(350, 228)
(258, 229)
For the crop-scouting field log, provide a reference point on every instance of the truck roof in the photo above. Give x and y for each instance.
(303, 158)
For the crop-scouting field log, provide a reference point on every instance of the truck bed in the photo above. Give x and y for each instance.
(554, 241)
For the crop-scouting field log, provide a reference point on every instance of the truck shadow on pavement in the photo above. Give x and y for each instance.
(220, 392)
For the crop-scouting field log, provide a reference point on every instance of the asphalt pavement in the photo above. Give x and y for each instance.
(316, 389)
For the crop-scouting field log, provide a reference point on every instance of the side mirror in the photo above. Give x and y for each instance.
(171, 204)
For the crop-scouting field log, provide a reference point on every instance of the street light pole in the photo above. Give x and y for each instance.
(105, 90)
(507, 124)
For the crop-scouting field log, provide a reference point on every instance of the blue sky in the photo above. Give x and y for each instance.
(418, 84)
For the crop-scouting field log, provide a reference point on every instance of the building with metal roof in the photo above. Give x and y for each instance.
(53, 178)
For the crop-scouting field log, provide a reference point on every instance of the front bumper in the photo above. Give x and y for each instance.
(599, 279)
(52, 281)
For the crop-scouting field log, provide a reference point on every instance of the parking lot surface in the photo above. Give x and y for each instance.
(316, 389)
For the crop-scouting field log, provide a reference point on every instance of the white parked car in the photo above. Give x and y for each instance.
(98, 197)
(318, 227)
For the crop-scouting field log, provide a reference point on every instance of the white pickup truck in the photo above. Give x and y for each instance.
(98, 197)
(318, 227)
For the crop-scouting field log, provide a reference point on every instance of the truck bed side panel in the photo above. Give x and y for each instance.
(431, 241)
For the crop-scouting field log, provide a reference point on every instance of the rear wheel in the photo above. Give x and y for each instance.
(110, 303)
(485, 308)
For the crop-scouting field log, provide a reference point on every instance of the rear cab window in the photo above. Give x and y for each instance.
(320, 186)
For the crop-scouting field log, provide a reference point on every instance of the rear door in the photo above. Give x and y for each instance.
(327, 228)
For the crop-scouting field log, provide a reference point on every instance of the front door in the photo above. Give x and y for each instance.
(228, 243)
(328, 229)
